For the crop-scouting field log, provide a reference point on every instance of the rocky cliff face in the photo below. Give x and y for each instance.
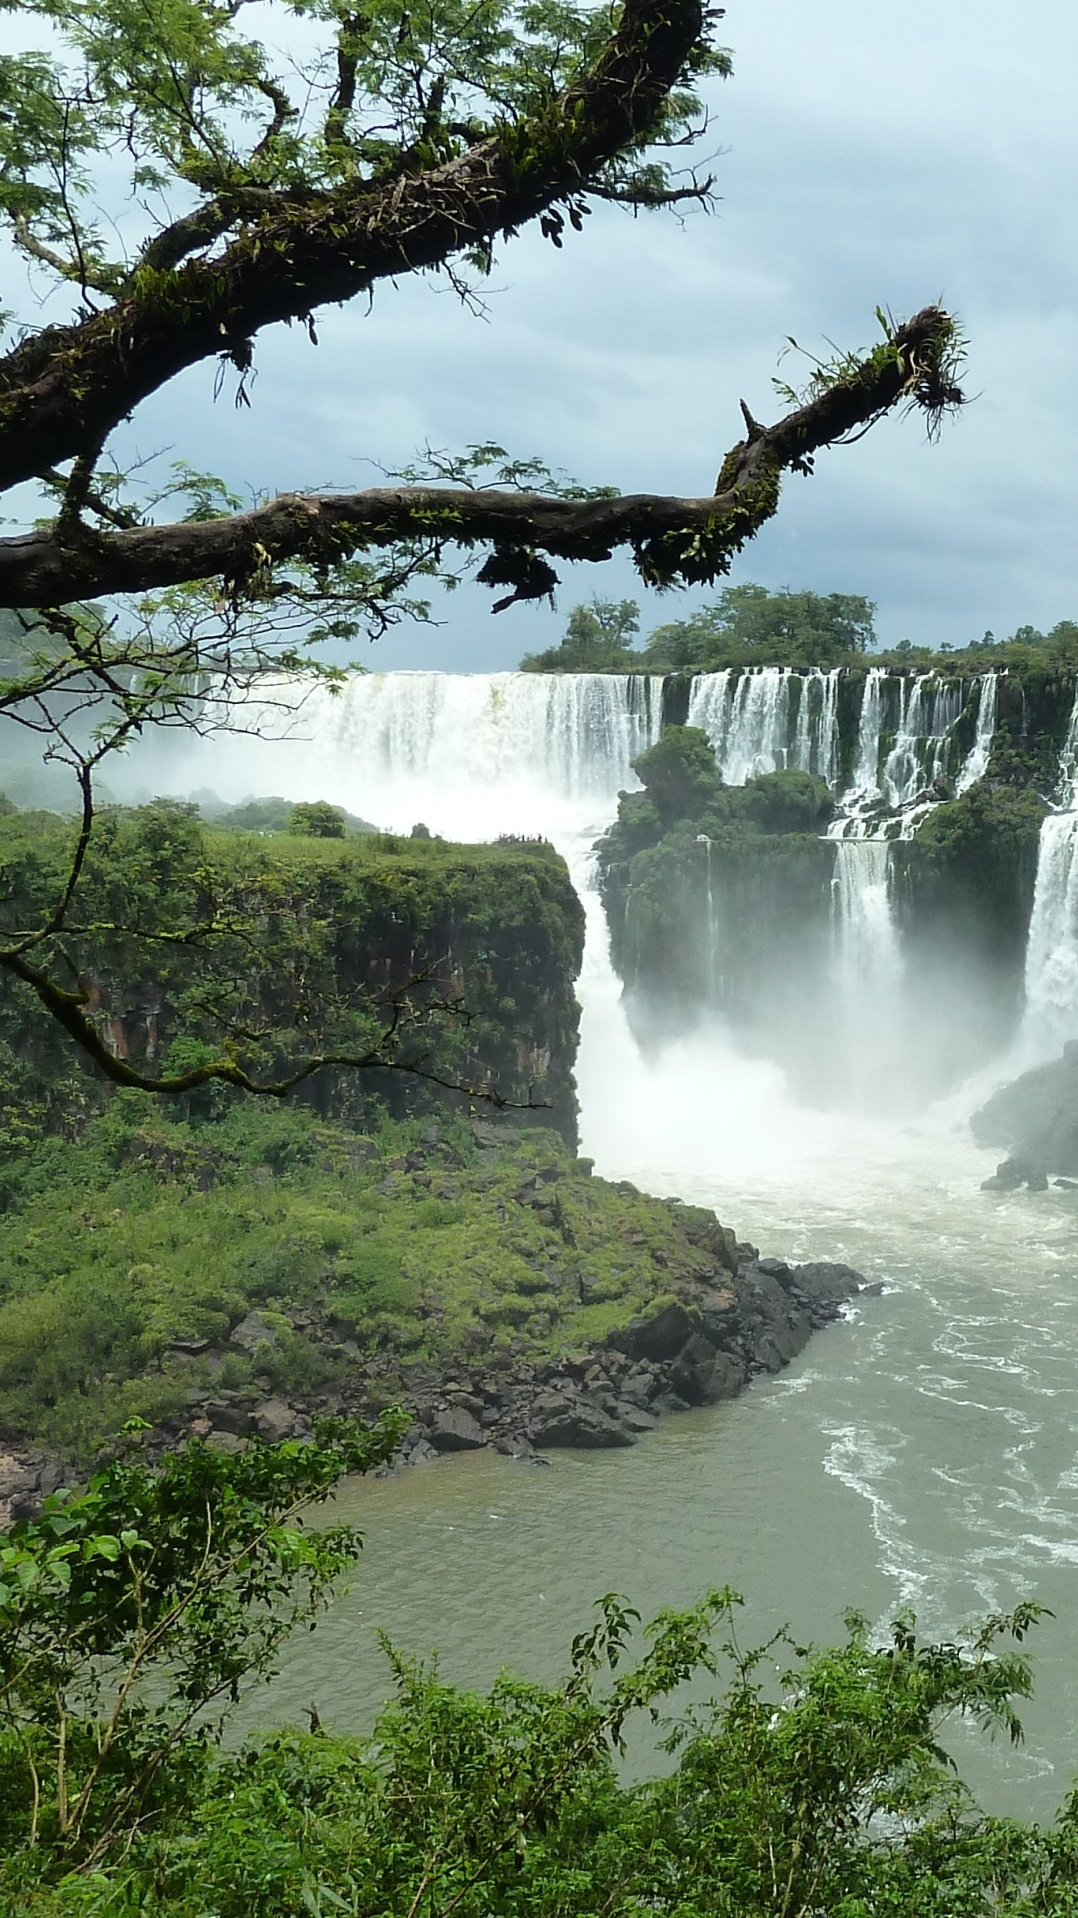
(285, 947)
(1035, 1118)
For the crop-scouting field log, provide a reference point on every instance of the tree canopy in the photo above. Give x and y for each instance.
(748, 625)
(176, 189)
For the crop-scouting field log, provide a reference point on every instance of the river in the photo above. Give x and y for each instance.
(921, 1452)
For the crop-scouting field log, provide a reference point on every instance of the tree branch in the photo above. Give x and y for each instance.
(671, 539)
(68, 1008)
(70, 385)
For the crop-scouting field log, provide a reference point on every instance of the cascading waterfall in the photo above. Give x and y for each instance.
(1051, 976)
(870, 963)
(474, 755)
(927, 712)
(747, 717)
(977, 759)
(471, 755)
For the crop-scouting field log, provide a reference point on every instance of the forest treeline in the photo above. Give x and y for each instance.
(748, 625)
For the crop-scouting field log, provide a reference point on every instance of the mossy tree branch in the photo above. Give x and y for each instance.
(672, 539)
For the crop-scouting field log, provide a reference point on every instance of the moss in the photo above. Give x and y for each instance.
(972, 867)
(319, 940)
(112, 1262)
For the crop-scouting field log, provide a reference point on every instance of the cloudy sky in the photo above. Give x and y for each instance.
(865, 157)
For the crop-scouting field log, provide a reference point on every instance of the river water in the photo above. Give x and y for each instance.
(923, 1451)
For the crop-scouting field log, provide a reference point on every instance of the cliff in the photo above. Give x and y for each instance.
(286, 946)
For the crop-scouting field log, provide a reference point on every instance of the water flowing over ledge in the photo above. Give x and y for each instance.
(477, 755)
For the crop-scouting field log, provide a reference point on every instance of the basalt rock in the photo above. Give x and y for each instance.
(559, 1420)
(1036, 1118)
(456, 1430)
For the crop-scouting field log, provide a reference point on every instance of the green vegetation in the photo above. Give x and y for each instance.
(280, 815)
(716, 893)
(748, 625)
(598, 639)
(127, 1259)
(277, 950)
(815, 1782)
(972, 868)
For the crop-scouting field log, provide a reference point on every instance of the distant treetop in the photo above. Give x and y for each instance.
(748, 625)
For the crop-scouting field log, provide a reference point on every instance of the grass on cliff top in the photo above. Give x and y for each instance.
(417, 1244)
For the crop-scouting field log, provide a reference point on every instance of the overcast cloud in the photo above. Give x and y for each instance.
(868, 157)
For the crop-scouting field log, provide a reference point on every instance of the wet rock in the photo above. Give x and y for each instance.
(827, 1286)
(576, 1422)
(669, 1402)
(633, 1419)
(1036, 1118)
(702, 1376)
(456, 1430)
(1016, 1172)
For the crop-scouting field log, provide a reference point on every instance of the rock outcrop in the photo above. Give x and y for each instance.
(1035, 1118)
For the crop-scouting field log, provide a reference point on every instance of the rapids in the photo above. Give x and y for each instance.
(923, 1452)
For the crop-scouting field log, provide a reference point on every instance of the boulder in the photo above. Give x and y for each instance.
(633, 1419)
(456, 1430)
(702, 1376)
(575, 1422)
(274, 1419)
(251, 1333)
(826, 1285)
(1036, 1118)
(225, 1416)
(1016, 1172)
(659, 1337)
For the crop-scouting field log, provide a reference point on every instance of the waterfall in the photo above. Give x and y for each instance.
(816, 742)
(702, 839)
(868, 938)
(1051, 981)
(469, 754)
(747, 717)
(928, 710)
(868, 962)
(976, 764)
(1051, 976)
(866, 775)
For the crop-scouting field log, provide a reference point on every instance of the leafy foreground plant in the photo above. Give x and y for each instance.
(814, 1784)
(130, 1617)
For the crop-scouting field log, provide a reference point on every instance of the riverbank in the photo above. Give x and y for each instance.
(235, 1280)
